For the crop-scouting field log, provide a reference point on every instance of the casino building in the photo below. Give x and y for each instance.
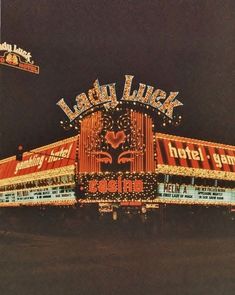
(118, 159)
(117, 162)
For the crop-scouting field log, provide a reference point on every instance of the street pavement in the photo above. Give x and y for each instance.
(110, 261)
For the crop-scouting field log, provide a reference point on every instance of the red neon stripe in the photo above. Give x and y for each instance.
(194, 163)
(170, 160)
(205, 163)
(158, 150)
(225, 167)
(211, 152)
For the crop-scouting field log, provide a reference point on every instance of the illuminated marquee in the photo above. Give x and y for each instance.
(16, 57)
(119, 186)
(106, 95)
(194, 194)
(40, 162)
(192, 157)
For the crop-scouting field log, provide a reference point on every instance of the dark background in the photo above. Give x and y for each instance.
(185, 46)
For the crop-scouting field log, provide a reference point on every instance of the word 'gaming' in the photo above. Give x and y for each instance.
(106, 95)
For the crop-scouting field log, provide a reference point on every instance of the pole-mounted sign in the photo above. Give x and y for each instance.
(16, 57)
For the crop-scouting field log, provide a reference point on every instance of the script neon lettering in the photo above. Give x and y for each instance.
(106, 95)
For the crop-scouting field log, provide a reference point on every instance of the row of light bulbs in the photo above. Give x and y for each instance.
(75, 124)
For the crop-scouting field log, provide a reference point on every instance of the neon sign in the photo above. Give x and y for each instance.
(105, 95)
(121, 185)
(118, 185)
(116, 145)
(17, 57)
(38, 161)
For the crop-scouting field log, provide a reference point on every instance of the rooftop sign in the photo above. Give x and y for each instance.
(106, 95)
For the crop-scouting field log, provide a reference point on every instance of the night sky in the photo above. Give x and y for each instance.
(185, 46)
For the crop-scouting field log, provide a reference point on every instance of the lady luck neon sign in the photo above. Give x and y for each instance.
(106, 95)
